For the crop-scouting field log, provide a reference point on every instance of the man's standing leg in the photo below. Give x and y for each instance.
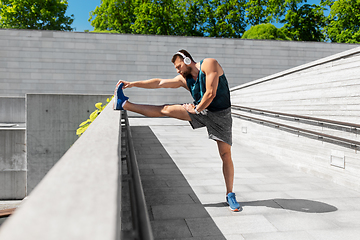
(228, 171)
(228, 166)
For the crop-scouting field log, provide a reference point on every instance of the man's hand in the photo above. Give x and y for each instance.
(189, 107)
(126, 84)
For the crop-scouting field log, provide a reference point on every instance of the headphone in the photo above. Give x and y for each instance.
(187, 60)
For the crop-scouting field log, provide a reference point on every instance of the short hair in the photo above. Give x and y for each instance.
(176, 55)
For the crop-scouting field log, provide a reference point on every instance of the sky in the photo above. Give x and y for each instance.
(81, 10)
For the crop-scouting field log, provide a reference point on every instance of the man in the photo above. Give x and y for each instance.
(208, 86)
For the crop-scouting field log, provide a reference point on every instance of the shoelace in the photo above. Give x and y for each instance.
(232, 199)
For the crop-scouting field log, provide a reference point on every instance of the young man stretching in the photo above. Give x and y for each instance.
(208, 86)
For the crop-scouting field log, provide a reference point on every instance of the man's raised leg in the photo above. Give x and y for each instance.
(174, 111)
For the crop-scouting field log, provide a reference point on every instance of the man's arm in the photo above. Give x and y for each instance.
(212, 70)
(176, 82)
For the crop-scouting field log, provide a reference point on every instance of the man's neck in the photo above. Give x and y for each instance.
(195, 70)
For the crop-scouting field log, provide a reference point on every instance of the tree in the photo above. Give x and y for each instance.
(344, 21)
(166, 17)
(265, 11)
(225, 18)
(113, 15)
(302, 22)
(265, 31)
(305, 23)
(35, 14)
(159, 17)
(214, 18)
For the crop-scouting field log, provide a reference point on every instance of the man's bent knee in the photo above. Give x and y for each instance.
(165, 110)
(175, 111)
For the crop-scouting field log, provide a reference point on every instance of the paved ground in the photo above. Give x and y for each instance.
(278, 201)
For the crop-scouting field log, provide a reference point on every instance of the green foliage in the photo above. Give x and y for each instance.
(225, 18)
(105, 31)
(84, 125)
(344, 21)
(157, 17)
(265, 31)
(214, 18)
(113, 15)
(263, 11)
(305, 23)
(35, 14)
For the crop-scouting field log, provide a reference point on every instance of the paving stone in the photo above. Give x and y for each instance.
(170, 229)
(240, 224)
(202, 227)
(295, 235)
(335, 234)
(179, 211)
(293, 221)
(169, 199)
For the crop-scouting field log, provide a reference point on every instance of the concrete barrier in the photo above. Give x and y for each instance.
(52, 120)
(78, 199)
(12, 148)
(12, 163)
(329, 89)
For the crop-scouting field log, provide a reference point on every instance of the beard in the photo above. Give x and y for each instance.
(187, 72)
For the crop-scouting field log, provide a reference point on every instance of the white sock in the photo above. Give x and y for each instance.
(122, 105)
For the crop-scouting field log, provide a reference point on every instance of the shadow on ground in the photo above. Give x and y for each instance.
(298, 205)
(175, 212)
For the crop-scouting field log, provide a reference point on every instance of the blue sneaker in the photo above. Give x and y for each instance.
(120, 98)
(233, 204)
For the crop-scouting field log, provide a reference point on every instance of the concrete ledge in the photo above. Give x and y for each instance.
(13, 184)
(78, 198)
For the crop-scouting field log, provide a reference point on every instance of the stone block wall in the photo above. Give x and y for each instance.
(91, 63)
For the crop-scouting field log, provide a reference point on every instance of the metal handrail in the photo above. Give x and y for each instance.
(140, 215)
(353, 125)
(353, 144)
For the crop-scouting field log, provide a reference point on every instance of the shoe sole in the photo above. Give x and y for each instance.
(116, 105)
(234, 210)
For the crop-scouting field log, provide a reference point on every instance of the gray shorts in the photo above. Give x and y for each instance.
(218, 124)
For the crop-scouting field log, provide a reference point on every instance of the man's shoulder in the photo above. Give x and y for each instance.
(210, 64)
(209, 60)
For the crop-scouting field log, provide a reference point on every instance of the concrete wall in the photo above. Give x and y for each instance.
(92, 63)
(328, 88)
(12, 163)
(80, 197)
(12, 148)
(52, 120)
(12, 109)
